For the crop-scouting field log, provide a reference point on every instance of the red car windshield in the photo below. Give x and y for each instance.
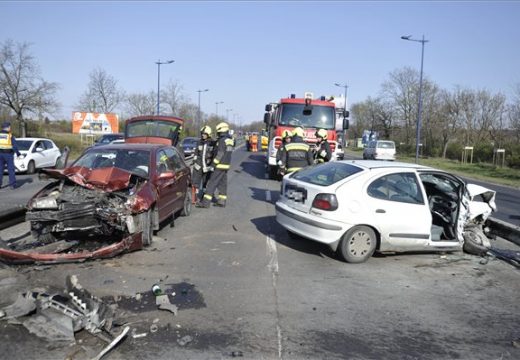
(134, 161)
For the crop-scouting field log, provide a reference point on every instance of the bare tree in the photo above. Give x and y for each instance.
(361, 120)
(102, 94)
(493, 113)
(22, 88)
(140, 103)
(172, 96)
(514, 113)
(402, 90)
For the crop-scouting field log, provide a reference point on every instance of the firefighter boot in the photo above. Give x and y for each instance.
(221, 201)
(205, 203)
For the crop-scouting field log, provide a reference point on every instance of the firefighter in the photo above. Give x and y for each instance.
(202, 160)
(280, 154)
(298, 154)
(8, 148)
(222, 163)
(323, 152)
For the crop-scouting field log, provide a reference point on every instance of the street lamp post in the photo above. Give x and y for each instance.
(198, 112)
(419, 108)
(216, 105)
(345, 87)
(227, 114)
(159, 63)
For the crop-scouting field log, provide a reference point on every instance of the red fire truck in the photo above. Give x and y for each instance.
(308, 113)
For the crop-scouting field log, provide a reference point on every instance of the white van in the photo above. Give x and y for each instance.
(380, 150)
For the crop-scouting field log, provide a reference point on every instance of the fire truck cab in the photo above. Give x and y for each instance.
(308, 113)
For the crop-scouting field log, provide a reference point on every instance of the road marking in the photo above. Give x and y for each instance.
(272, 254)
(279, 332)
(268, 196)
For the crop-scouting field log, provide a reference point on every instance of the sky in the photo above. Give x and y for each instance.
(250, 53)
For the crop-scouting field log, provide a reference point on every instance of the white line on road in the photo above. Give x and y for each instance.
(268, 196)
(272, 255)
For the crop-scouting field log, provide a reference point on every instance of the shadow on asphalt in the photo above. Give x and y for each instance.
(267, 225)
(260, 195)
(22, 181)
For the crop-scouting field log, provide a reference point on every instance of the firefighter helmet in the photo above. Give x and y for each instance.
(205, 130)
(298, 132)
(286, 133)
(222, 127)
(322, 133)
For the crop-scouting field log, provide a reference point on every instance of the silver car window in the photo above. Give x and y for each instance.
(400, 187)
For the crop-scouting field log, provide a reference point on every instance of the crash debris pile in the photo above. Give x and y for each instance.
(58, 316)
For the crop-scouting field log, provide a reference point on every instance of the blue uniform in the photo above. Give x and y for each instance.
(8, 148)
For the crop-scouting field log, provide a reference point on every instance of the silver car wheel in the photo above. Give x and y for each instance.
(358, 244)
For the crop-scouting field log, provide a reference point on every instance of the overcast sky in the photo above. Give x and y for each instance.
(252, 53)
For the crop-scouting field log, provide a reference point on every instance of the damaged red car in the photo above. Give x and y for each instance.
(110, 200)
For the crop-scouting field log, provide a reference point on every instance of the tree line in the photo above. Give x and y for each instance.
(451, 119)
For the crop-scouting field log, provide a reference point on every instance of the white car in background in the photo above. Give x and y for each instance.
(359, 206)
(35, 153)
(379, 150)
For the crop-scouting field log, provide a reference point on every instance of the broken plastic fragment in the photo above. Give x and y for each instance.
(163, 303)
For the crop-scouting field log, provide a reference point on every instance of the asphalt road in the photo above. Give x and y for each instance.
(245, 289)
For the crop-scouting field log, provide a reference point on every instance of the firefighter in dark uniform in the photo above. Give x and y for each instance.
(202, 162)
(222, 163)
(323, 152)
(280, 154)
(298, 154)
(8, 148)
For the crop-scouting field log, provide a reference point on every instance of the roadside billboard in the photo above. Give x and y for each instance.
(94, 123)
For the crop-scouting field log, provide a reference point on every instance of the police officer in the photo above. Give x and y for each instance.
(8, 148)
(298, 154)
(202, 160)
(280, 154)
(222, 163)
(323, 152)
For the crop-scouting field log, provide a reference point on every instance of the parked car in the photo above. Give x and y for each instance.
(379, 150)
(109, 200)
(106, 139)
(35, 153)
(188, 145)
(338, 153)
(357, 207)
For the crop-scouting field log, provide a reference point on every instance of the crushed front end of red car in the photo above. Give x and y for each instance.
(85, 214)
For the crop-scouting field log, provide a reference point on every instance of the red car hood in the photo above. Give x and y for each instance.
(108, 179)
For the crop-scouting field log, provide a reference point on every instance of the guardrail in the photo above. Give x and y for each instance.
(504, 230)
(11, 217)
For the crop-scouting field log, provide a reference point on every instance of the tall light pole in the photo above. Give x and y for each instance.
(198, 112)
(216, 105)
(227, 114)
(345, 86)
(159, 63)
(419, 108)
